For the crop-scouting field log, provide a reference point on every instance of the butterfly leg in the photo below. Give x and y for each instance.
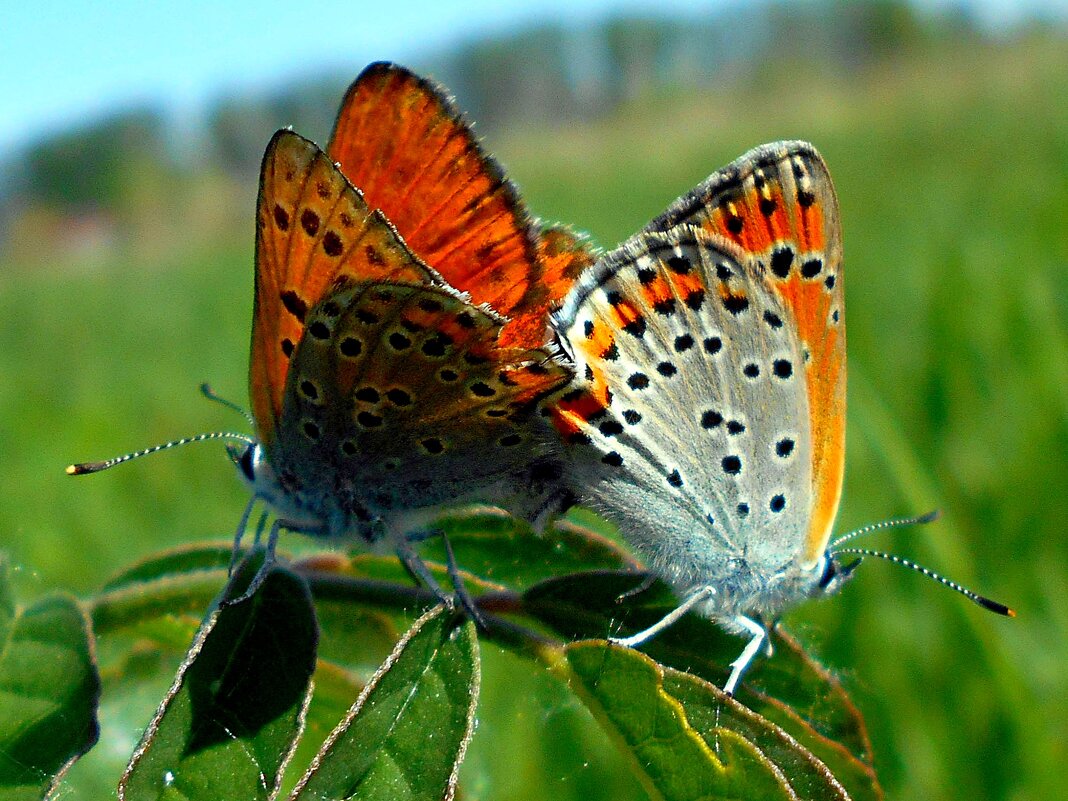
(769, 646)
(740, 665)
(466, 601)
(647, 582)
(417, 567)
(265, 568)
(261, 526)
(669, 619)
(242, 524)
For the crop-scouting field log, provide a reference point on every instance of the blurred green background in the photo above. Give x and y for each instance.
(126, 278)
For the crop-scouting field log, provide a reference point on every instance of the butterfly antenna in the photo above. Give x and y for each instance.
(986, 603)
(930, 517)
(208, 392)
(95, 467)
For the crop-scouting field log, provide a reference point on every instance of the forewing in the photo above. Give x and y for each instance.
(399, 138)
(405, 389)
(313, 230)
(562, 256)
(691, 411)
(778, 204)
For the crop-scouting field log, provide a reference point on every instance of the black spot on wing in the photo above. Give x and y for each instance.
(781, 259)
(711, 419)
(636, 327)
(638, 381)
(294, 304)
(735, 304)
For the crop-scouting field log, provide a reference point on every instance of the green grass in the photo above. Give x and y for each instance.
(952, 171)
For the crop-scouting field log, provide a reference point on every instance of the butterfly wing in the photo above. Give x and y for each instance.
(399, 138)
(777, 203)
(313, 229)
(693, 413)
(562, 256)
(403, 392)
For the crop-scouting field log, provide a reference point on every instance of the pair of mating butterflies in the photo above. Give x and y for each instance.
(418, 340)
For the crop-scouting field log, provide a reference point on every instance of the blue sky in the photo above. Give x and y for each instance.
(66, 61)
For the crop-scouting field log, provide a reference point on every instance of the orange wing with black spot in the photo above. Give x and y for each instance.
(314, 231)
(778, 204)
(407, 389)
(562, 257)
(401, 141)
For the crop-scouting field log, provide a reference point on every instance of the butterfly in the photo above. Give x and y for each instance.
(707, 416)
(379, 391)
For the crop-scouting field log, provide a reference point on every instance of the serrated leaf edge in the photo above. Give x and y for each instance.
(398, 650)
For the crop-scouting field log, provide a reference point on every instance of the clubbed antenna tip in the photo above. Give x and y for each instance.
(994, 606)
(85, 467)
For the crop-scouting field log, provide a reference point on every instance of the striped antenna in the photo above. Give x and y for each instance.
(209, 393)
(986, 603)
(95, 467)
(930, 517)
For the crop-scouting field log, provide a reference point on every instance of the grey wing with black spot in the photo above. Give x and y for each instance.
(701, 452)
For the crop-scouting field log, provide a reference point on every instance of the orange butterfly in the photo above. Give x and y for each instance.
(379, 392)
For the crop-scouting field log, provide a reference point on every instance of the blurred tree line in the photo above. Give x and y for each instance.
(135, 172)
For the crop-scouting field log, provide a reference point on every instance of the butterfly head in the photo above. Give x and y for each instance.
(271, 487)
(254, 469)
(833, 574)
(751, 590)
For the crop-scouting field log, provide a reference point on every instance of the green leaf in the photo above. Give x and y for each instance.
(210, 556)
(796, 693)
(502, 551)
(493, 550)
(687, 738)
(177, 583)
(788, 688)
(361, 600)
(355, 635)
(406, 735)
(232, 717)
(49, 691)
(335, 687)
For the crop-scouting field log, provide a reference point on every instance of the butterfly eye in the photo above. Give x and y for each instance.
(830, 570)
(245, 463)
